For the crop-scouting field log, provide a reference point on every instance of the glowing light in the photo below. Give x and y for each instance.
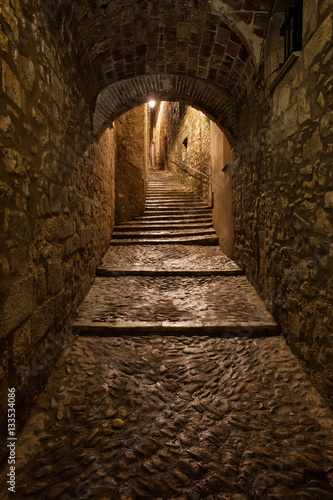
(152, 104)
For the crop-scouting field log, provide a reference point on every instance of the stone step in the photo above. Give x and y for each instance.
(167, 222)
(165, 258)
(225, 330)
(173, 193)
(161, 227)
(174, 217)
(184, 240)
(172, 211)
(164, 234)
(175, 204)
(169, 192)
(133, 271)
(178, 199)
(166, 185)
(213, 305)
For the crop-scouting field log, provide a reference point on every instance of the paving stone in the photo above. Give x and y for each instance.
(218, 452)
(167, 258)
(175, 417)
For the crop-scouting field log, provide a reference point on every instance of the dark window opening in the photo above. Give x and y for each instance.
(291, 29)
(185, 142)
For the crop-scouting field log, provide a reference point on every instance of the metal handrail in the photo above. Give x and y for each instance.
(175, 160)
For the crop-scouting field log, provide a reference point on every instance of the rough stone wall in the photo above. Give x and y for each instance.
(284, 193)
(184, 134)
(57, 199)
(131, 163)
(223, 216)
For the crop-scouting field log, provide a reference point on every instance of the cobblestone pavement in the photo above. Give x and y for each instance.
(158, 298)
(167, 257)
(177, 418)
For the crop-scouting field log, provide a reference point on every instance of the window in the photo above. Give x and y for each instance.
(291, 29)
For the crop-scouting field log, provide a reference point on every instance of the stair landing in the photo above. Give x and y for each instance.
(161, 276)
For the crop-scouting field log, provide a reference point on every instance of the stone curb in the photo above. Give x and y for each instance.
(223, 330)
(132, 271)
(199, 240)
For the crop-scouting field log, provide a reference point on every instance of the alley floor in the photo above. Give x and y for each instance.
(175, 386)
(177, 418)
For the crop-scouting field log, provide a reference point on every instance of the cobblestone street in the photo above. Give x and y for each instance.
(177, 418)
(175, 386)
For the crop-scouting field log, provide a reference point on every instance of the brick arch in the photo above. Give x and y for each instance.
(207, 48)
(120, 97)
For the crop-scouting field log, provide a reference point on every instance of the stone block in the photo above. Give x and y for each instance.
(3, 41)
(49, 166)
(6, 127)
(44, 205)
(183, 30)
(85, 237)
(41, 285)
(22, 343)
(15, 163)
(51, 225)
(18, 260)
(303, 106)
(6, 192)
(26, 72)
(11, 87)
(310, 19)
(326, 124)
(66, 227)
(323, 223)
(329, 199)
(72, 244)
(311, 147)
(41, 321)
(58, 198)
(317, 43)
(17, 224)
(16, 304)
(289, 122)
(54, 277)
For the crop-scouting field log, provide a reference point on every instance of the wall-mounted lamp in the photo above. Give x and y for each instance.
(152, 104)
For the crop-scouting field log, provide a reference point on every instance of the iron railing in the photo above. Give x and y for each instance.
(175, 160)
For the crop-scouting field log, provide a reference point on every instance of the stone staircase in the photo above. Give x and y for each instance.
(166, 274)
(172, 215)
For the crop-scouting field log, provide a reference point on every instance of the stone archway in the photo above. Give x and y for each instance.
(204, 53)
(118, 98)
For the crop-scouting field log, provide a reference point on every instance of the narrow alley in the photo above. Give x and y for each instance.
(207, 403)
(166, 250)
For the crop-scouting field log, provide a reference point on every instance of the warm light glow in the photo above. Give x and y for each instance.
(152, 104)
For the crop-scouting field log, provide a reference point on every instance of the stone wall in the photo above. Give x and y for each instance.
(284, 191)
(131, 163)
(182, 136)
(223, 217)
(57, 198)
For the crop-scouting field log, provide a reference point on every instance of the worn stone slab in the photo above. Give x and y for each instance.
(174, 218)
(184, 240)
(171, 233)
(225, 330)
(161, 227)
(213, 301)
(171, 210)
(168, 258)
(114, 272)
(176, 417)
